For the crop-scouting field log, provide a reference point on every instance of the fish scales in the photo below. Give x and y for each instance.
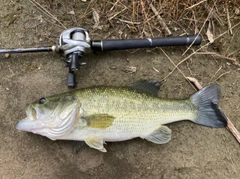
(117, 102)
(134, 113)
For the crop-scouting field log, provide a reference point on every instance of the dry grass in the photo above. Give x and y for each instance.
(140, 18)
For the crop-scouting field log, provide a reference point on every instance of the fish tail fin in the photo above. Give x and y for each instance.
(206, 101)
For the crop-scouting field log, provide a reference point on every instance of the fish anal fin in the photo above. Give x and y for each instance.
(96, 143)
(161, 135)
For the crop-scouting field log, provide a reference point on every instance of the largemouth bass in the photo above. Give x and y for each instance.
(108, 114)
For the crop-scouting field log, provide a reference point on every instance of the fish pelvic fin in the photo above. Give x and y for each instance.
(96, 143)
(206, 102)
(161, 135)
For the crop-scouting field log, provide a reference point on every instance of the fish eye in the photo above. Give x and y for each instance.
(42, 100)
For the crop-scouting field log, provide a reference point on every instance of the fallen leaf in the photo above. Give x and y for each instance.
(209, 32)
(96, 19)
(237, 11)
(71, 12)
(130, 69)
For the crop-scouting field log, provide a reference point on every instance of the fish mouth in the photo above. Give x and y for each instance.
(49, 123)
(31, 121)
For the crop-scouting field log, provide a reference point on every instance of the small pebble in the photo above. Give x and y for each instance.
(83, 63)
(7, 55)
(7, 89)
(113, 67)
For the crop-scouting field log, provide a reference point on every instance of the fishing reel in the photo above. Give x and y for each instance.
(74, 42)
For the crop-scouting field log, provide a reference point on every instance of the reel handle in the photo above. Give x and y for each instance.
(71, 79)
(74, 65)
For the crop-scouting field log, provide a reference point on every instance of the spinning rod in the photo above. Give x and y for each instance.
(73, 43)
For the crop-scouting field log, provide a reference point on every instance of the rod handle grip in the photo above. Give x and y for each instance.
(117, 44)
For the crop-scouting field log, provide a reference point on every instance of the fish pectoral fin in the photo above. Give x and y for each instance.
(100, 121)
(96, 143)
(161, 135)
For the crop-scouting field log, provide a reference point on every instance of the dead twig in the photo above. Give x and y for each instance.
(110, 18)
(230, 125)
(216, 73)
(185, 59)
(194, 5)
(235, 51)
(195, 82)
(156, 70)
(45, 11)
(174, 66)
(213, 13)
(233, 130)
(160, 19)
(208, 17)
(233, 60)
(114, 5)
(146, 23)
(229, 23)
(129, 22)
(222, 75)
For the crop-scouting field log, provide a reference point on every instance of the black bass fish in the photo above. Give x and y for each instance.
(108, 114)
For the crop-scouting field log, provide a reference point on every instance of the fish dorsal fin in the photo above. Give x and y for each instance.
(150, 86)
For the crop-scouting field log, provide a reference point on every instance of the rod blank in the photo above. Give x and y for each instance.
(27, 50)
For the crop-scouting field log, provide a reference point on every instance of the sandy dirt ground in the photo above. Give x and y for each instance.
(194, 151)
